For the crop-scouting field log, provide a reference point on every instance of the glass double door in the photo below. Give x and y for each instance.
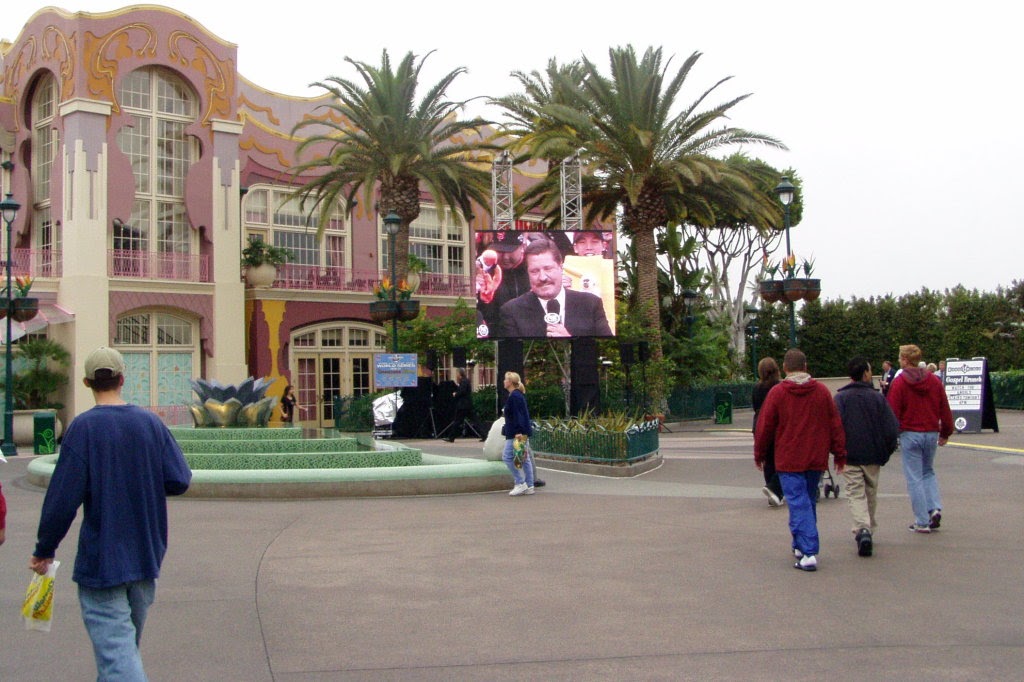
(321, 377)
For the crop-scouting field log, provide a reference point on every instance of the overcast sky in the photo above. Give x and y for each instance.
(902, 118)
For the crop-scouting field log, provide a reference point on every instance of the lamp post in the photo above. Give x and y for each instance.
(786, 192)
(753, 329)
(392, 224)
(9, 210)
(689, 298)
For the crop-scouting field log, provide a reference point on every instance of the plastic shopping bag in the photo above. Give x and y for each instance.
(520, 451)
(38, 607)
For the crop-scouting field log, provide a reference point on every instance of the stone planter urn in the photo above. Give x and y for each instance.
(261, 276)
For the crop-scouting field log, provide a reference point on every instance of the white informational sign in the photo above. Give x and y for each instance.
(965, 390)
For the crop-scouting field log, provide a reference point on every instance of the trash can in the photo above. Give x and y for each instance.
(44, 433)
(723, 407)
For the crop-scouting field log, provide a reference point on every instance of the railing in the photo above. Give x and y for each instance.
(148, 265)
(37, 263)
(317, 278)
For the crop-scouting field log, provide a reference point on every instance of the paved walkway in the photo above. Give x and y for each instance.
(683, 573)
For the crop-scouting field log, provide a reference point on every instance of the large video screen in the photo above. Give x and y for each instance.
(544, 284)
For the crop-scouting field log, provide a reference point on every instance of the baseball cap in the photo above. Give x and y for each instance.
(506, 240)
(103, 358)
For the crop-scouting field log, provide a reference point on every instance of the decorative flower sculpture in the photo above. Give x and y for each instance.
(244, 404)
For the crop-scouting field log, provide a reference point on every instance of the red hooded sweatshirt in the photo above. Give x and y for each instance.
(801, 418)
(919, 401)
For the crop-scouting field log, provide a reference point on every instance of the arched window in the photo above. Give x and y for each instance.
(45, 235)
(160, 353)
(161, 107)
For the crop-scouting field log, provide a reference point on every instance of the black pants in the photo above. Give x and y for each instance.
(771, 478)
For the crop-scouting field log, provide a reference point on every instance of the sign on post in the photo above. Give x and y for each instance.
(394, 370)
(965, 389)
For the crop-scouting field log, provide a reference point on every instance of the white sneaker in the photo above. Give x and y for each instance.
(773, 499)
(530, 490)
(518, 489)
(808, 562)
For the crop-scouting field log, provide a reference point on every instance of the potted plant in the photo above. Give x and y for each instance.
(23, 307)
(261, 260)
(417, 266)
(813, 289)
(769, 287)
(44, 371)
(384, 307)
(407, 308)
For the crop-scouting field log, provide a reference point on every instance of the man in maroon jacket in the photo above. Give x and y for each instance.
(919, 401)
(801, 419)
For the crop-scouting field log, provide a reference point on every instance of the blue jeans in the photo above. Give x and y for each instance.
(917, 450)
(801, 491)
(114, 617)
(518, 475)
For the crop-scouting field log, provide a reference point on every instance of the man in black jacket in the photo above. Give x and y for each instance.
(871, 433)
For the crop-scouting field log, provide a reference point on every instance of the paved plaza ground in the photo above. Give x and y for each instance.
(684, 573)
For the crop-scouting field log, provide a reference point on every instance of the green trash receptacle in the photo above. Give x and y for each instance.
(44, 433)
(723, 407)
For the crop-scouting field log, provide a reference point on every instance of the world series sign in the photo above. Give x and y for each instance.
(965, 390)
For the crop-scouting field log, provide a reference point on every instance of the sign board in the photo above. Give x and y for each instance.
(965, 389)
(394, 370)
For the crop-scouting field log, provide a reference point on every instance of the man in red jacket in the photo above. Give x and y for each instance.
(919, 401)
(801, 419)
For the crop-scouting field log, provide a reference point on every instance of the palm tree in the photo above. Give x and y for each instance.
(649, 164)
(378, 135)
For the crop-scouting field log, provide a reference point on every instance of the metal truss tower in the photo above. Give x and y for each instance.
(572, 193)
(501, 191)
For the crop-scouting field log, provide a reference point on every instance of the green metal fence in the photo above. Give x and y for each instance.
(699, 403)
(597, 447)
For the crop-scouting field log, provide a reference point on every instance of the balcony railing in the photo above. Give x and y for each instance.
(316, 278)
(36, 263)
(148, 265)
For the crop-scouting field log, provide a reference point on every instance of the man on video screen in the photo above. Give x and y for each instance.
(549, 309)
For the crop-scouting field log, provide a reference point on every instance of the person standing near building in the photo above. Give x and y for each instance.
(768, 375)
(871, 431)
(800, 419)
(919, 401)
(517, 428)
(888, 374)
(288, 405)
(121, 463)
(462, 396)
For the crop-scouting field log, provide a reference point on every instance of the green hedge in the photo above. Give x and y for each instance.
(1008, 389)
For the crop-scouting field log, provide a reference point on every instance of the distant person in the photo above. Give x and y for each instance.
(919, 401)
(871, 431)
(517, 431)
(801, 421)
(119, 463)
(941, 373)
(549, 309)
(888, 374)
(462, 397)
(590, 243)
(768, 376)
(288, 405)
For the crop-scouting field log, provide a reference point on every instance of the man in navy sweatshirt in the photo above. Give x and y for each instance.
(119, 462)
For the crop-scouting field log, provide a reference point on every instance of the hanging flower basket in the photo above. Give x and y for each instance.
(5, 303)
(408, 310)
(24, 309)
(794, 289)
(381, 311)
(771, 290)
(813, 290)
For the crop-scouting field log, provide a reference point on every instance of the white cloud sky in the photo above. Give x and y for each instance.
(899, 116)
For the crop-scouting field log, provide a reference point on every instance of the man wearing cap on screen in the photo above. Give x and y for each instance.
(548, 309)
(121, 463)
